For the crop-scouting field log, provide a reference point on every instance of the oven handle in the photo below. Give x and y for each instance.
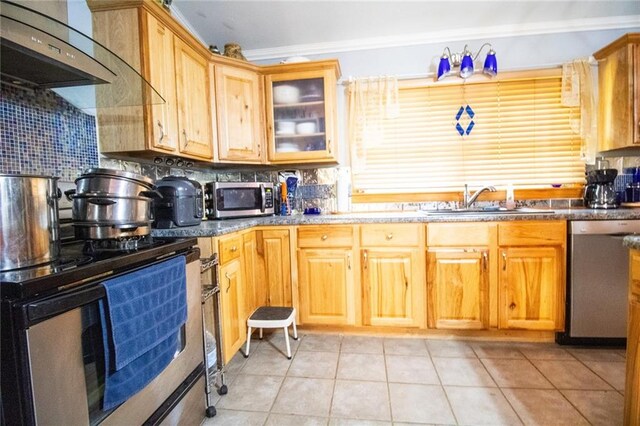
(37, 311)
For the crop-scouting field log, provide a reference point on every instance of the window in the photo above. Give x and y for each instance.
(514, 130)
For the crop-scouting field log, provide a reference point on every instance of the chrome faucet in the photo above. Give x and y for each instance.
(468, 201)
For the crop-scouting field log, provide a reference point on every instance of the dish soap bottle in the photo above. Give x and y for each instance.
(511, 201)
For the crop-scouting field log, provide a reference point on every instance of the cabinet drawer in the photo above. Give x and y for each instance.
(532, 233)
(634, 281)
(390, 235)
(459, 234)
(229, 248)
(325, 236)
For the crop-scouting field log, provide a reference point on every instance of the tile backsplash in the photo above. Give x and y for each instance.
(41, 133)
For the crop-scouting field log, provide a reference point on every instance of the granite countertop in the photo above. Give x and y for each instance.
(632, 242)
(212, 228)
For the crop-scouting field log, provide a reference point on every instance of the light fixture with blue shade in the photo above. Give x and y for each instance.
(444, 67)
(464, 62)
(490, 63)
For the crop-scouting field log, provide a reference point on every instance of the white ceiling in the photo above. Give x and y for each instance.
(270, 28)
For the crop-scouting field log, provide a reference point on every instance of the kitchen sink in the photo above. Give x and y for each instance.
(487, 211)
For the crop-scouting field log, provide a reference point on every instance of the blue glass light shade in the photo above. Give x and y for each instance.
(490, 64)
(444, 68)
(466, 65)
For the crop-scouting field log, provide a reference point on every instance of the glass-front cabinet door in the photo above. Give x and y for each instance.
(301, 112)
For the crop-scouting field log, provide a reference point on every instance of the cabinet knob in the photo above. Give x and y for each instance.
(512, 306)
(324, 237)
(389, 236)
(234, 249)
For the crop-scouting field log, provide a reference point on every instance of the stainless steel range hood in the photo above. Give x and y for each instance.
(37, 50)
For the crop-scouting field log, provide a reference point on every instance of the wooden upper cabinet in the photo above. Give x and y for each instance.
(195, 126)
(302, 112)
(163, 118)
(619, 93)
(240, 118)
(146, 37)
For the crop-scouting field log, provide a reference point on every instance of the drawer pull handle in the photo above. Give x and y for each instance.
(366, 259)
(389, 236)
(504, 261)
(484, 260)
(512, 306)
(226, 274)
(324, 237)
(234, 248)
(349, 262)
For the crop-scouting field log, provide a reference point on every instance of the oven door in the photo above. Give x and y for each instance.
(66, 361)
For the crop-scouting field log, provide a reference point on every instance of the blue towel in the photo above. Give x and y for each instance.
(141, 321)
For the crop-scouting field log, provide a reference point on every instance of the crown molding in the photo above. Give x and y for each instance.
(175, 12)
(456, 34)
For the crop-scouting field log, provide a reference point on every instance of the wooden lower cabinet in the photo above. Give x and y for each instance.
(273, 268)
(531, 288)
(632, 389)
(325, 282)
(458, 288)
(233, 321)
(392, 285)
(250, 260)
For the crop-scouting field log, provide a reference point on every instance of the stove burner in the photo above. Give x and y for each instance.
(120, 245)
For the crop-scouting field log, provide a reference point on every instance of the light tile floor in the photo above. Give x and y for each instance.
(359, 380)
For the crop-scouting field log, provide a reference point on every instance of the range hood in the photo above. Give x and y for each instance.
(39, 51)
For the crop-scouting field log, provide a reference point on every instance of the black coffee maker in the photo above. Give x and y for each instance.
(600, 192)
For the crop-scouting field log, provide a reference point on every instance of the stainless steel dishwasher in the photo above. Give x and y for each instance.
(597, 285)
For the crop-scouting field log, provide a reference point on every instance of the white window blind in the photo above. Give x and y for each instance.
(521, 134)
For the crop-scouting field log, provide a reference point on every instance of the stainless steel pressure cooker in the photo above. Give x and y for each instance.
(29, 228)
(112, 204)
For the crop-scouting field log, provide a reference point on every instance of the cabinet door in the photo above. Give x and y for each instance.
(249, 260)
(234, 324)
(392, 287)
(274, 267)
(240, 133)
(632, 390)
(531, 288)
(458, 288)
(636, 93)
(163, 119)
(195, 128)
(301, 111)
(325, 280)
(618, 115)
